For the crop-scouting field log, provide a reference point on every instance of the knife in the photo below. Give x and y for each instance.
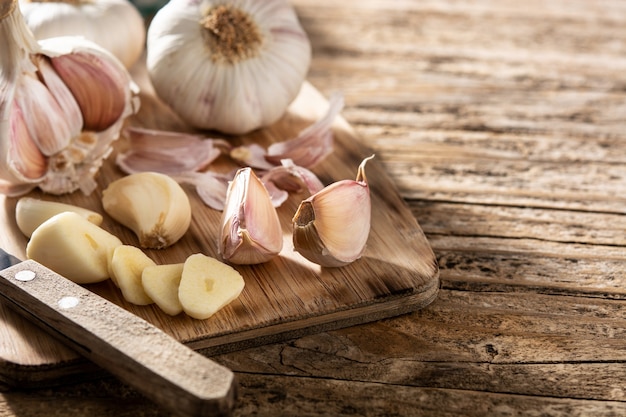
(154, 363)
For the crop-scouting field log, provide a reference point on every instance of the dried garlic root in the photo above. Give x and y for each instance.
(32, 212)
(72, 246)
(152, 205)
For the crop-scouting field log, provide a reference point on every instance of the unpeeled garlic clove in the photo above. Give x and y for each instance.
(152, 205)
(251, 232)
(331, 227)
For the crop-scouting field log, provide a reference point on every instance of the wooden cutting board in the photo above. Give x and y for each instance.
(285, 298)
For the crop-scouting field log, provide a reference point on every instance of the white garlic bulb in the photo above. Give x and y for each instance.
(227, 65)
(116, 25)
(63, 102)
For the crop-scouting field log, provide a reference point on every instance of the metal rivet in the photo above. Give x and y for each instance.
(68, 302)
(25, 275)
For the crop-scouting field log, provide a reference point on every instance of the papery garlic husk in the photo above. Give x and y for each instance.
(116, 25)
(251, 232)
(63, 101)
(331, 227)
(227, 65)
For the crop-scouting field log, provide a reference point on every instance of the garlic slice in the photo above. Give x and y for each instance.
(228, 65)
(331, 227)
(63, 103)
(116, 25)
(251, 232)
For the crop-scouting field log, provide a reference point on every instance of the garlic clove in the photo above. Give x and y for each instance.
(331, 227)
(32, 212)
(49, 126)
(74, 247)
(152, 205)
(97, 84)
(251, 230)
(25, 160)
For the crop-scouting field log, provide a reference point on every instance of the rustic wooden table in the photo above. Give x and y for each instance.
(503, 123)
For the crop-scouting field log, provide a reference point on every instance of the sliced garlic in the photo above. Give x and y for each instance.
(63, 103)
(331, 227)
(160, 283)
(207, 285)
(251, 232)
(32, 212)
(126, 268)
(152, 205)
(116, 25)
(227, 65)
(72, 246)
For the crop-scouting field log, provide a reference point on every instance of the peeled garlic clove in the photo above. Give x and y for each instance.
(32, 212)
(232, 66)
(331, 227)
(251, 230)
(152, 205)
(74, 247)
(116, 25)
(64, 101)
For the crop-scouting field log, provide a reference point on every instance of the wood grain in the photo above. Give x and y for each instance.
(502, 125)
(284, 298)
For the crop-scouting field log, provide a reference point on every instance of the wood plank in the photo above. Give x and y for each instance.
(492, 342)
(284, 298)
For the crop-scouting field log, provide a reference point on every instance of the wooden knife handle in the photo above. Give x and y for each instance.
(164, 370)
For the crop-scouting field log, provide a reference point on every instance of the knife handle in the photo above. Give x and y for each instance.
(163, 369)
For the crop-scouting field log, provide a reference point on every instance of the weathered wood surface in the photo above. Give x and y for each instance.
(503, 123)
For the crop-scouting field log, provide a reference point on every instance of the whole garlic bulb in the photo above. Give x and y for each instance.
(116, 25)
(63, 102)
(227, 65)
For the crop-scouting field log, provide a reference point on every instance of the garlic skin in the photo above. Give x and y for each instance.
(251, 232)
(331, 227)
(62, 104)
(152, 205)
(116, 25)
(227, 65)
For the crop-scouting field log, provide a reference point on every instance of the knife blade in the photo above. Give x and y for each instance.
(169, 373)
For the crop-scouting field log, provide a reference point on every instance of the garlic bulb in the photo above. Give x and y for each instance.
(116, 25)
(331, 227)
(63, 102)
(228, 65)
(251, 230)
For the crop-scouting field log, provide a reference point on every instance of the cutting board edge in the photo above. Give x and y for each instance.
(80, 369)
